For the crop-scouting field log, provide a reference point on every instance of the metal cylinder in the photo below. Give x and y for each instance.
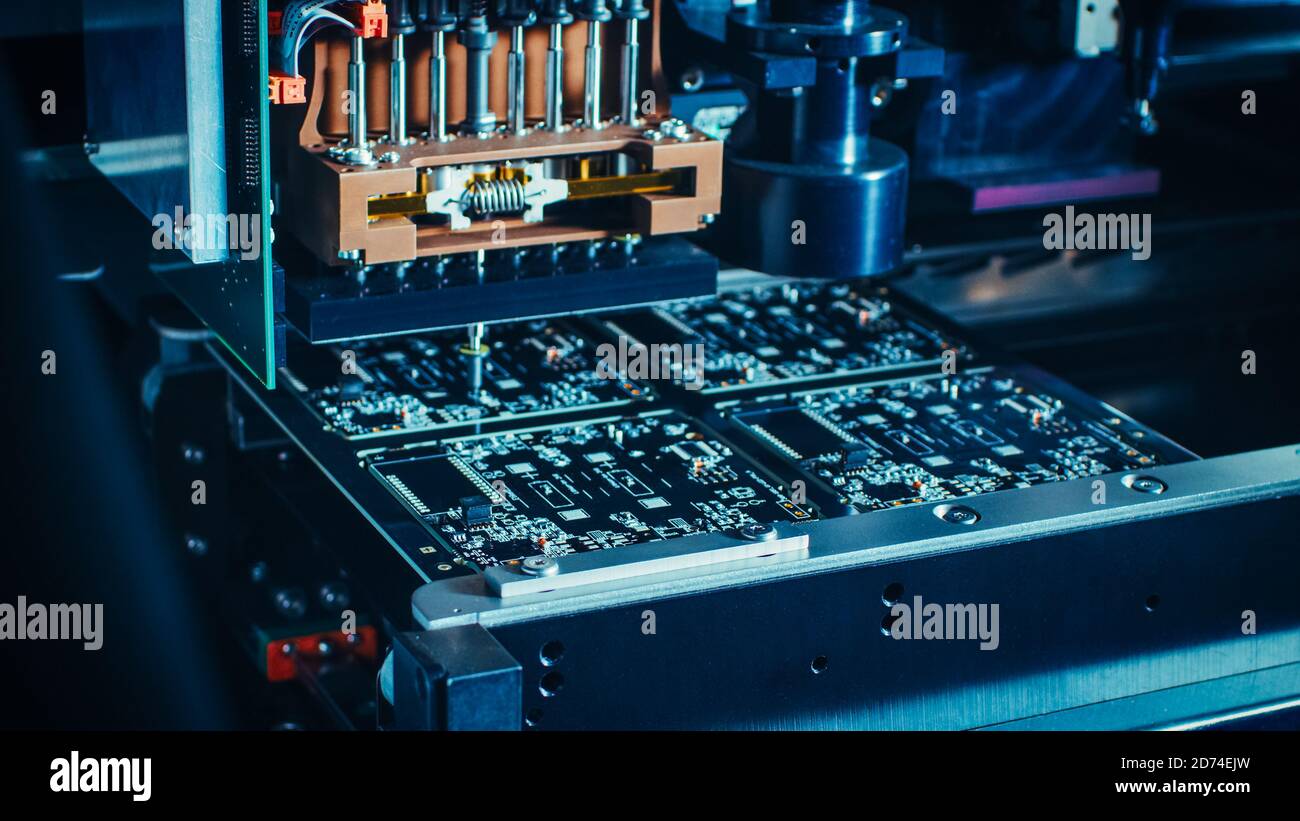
(357, 151)
(595, 56)
(631, 62)
(397, 93)
(357, 87)
(478, 41)
(830, 197)
(438, 88)
(555, 79)
(516, 83)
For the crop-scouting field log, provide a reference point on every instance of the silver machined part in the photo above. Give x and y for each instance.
(438, 88)
(480, 120)
(358, 150)
(631, 62)
(592, 89)
(555, 79)
(397, 93)
(515, 81)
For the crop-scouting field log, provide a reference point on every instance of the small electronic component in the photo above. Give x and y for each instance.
(772, 336)
(920, 440)
(578, 487)
(427, 382)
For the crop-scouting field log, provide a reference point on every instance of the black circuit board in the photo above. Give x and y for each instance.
(598, 485)
(921, 440)
(423, 382)
(769, 336)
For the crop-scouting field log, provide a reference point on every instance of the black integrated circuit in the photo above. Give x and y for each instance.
(422, 382)
(581, 487)
(763, 337)
(888, 444)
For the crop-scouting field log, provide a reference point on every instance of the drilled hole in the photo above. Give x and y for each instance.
(552, 683)
(887, 623)
(819, 665)
(893, 594)
(551, 653)
(1152, 602)
(534, 717)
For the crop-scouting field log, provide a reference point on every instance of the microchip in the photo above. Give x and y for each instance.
(573, 515)
(351, 386)
(521, 467)
(475, 510)
(599, 457)
(855, 454)
(656, 502)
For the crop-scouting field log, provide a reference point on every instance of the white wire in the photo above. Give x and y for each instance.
(302, 19)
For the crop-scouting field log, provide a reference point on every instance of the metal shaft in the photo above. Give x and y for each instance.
(357, 88)
(515, 80)
(438, 88)
(631, 62)
(476, 350)
(478, 40)
(555, 79)
(397, 92)
(591, 101)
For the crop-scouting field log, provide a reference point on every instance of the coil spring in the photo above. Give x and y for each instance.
(494, 197)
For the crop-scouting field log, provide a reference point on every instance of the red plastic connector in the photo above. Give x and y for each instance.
(286, 88)
(275, 23)
(371, 20)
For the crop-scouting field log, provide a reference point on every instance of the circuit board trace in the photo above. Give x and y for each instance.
(942, 437)
(596, 485)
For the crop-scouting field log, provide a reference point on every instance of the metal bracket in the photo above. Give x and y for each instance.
(611, 566)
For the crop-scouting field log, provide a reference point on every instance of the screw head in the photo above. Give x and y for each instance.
(539, 566)
(257, 572)
(957, 514)
(334, 595)
(758, 530)
(291, 602)
(1144, 484)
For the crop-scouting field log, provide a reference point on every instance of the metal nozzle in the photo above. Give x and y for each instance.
(515, 70)
(397, 93)
(631, 62)
(591, 101)
(358, 149)
(555, 79)
(438, 88)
